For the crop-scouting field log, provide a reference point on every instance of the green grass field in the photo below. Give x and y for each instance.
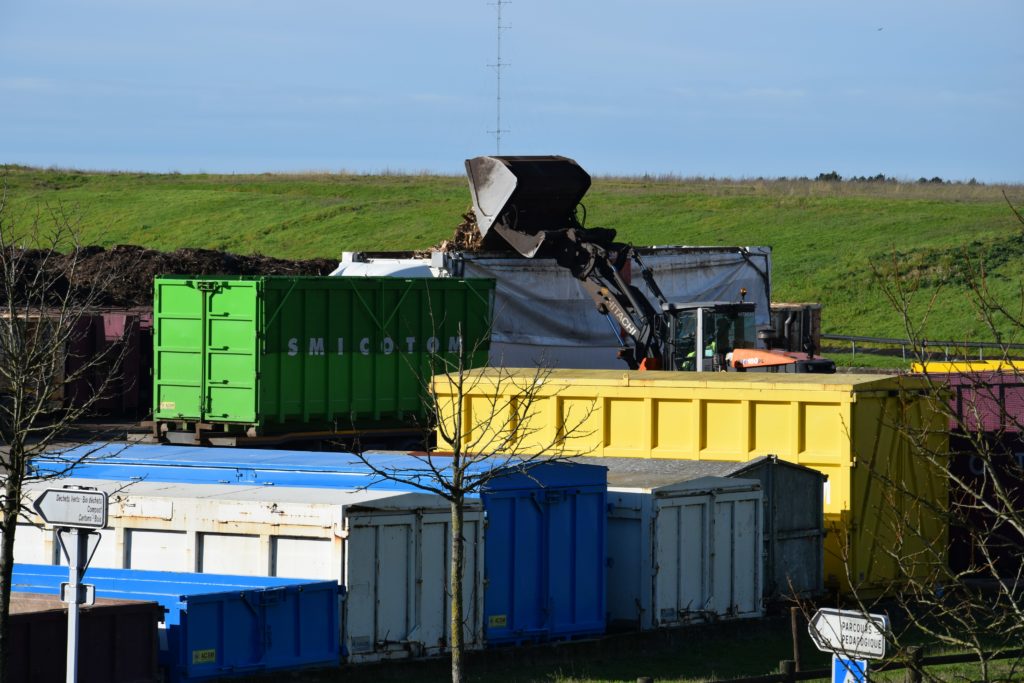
(692, 654)
(825, 235)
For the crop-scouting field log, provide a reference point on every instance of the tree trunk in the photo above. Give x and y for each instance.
(8, 526)
(455, 583)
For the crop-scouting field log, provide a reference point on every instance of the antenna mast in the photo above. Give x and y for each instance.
(498, 66)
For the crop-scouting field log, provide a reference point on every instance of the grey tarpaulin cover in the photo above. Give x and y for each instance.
(543, 315)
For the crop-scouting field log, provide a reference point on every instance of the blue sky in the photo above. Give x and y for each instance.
(721, 88)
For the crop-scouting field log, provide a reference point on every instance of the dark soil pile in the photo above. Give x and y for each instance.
(123, 275)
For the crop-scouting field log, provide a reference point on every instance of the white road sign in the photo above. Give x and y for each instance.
(77, 508)
(849, 633)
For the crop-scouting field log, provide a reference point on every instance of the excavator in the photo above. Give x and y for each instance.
(532, 206)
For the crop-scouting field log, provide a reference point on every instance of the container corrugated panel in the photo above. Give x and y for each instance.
(545, 550)
(221, 625)
(570, 496)
(793, 519)
(266, 629)
(109, 338)
(305, 353)
(32, 543)
(794, 527)
(118, 640)
(982, 541)
(685, 552)
(841, 425)
(398, 569)
(985, 399)
(386, 542)
(26, 333)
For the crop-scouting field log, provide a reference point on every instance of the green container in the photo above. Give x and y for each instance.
(291, 354)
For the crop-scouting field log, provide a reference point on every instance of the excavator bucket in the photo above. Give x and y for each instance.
(517, 199)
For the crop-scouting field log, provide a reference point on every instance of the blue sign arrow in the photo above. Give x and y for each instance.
(849, 670)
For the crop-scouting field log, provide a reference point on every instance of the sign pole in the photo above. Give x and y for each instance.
(77, 552)
(75, 512)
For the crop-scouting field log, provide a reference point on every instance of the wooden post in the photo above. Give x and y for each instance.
(787, 667)
(794, 618)
(914, 656)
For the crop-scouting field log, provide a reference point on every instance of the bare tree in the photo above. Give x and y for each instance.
(958, 579)
(43, 314)
(471, 454)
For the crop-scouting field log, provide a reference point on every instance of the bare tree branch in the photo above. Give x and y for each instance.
(44, 313)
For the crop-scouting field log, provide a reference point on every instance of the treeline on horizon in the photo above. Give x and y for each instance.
(823, 177)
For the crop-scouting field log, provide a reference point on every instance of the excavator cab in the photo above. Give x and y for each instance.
(716, 336)
(702, 336)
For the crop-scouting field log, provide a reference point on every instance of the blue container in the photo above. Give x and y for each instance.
(198, 465)
(545, 554)
(220, 625)
(245, 466)
(545, 558)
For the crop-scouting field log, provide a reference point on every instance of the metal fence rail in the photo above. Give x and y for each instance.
(924, 345)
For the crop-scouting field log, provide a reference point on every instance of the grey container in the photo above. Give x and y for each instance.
(793, 495)
(684, 552)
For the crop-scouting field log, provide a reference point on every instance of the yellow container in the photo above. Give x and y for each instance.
(967, 366)
(879, 497)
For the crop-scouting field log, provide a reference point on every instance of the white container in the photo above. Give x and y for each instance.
(685, 552)
(391, 549)
(542, 314)
(32, 545)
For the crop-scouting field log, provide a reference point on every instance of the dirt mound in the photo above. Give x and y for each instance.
(123, 275)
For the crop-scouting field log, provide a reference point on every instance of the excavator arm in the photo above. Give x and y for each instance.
(529, 204)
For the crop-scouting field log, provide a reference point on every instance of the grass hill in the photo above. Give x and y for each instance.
(825, 235)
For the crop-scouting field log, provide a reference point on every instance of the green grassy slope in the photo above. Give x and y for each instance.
(824, 234)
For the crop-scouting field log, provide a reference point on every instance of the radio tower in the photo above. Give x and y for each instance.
(498, 66)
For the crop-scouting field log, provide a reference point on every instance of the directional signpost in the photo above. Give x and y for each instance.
(852, 637)
(73, 507)
(76, 513)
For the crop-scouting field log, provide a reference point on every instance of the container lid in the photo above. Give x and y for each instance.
(840, 382)
(547, 474)
(30, 603)
(698, 486)
(301, 469)
(171, 589)
(654, 472)
(390, 496)
(198, 465)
